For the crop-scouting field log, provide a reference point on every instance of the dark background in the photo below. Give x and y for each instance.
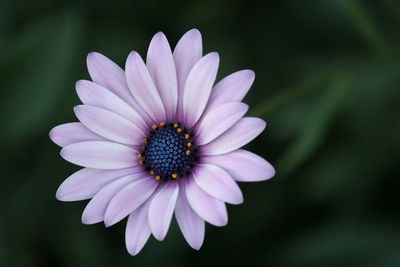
(327, 83)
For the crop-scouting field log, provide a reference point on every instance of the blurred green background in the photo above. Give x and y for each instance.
(327, 83)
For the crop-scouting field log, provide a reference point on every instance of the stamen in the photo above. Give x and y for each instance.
(168, 152)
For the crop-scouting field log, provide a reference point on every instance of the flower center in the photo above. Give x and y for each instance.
(168, 151)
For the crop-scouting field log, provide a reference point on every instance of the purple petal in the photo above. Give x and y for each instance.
(128, 199)
(239, 135)
(161, 209)
(243, 165)
(97, 206)
(198, 88)
(95, 95)
(214, 123)
(84, 183)
(187, 52)
(137, 229)
(210, 209)
(191, 225)
(100, 155)
(232, 88)
(74, 132)
(109, 125)
(162, 69)
(142, 87)
(105, 72)
(217, 183)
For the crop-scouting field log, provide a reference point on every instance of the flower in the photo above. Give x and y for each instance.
(160, 138)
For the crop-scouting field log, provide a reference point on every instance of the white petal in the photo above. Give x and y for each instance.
(109, 125)
(128, 199)
(74, 132)
(243, 165)
(220, 119)
(100, 155)
(239, 135)
(137, 229)
(97, 206)
(161, 209)
(208, 208)
(232, 88)
(162, 69)
(106, 73)
(142, 87)
(187, 52)
(84, 183)
(93, 94)
(192, 225)
(109, 75)
(217, 183)
(198, 88)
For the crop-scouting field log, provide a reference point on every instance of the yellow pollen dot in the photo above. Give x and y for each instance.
(154, 126)
(187, 136)
(139, 155)
(152, 172)
(187, 152)
(146, 140)
(176, 125)
(162, 124)
(179, 130)
(189, 144)
(142, 147)
(174, 176)
(158, 177)
(141, 162)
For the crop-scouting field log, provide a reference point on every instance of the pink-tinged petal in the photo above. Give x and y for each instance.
(162, 69)
(109, 125)
(97, 206)
(142, 87)
(198, 88)
(137, 229)
(192, 225)
(128, 199)
(93, 94)
(161, 209)
(187, 52)
(100, 155)
(86, 182)
(74, 132)
(217, 183)
(232, 88)
(220, 119)
(208, 208)
(106, 73)
(239, 135)
(243, 165)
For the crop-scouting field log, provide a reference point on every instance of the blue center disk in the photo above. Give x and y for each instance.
(165, 152)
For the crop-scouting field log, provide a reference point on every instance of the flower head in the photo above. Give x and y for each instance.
(160, 138)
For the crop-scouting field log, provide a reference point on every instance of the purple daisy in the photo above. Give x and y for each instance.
(160, 138)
